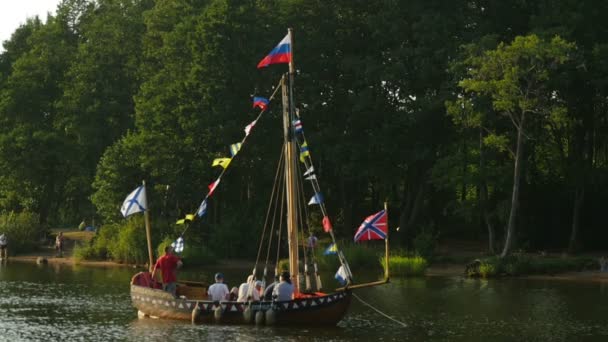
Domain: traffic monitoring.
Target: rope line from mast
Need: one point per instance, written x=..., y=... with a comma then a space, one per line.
x=276, y=207
x=272, y=196
x=188, y=224
x=380, y=312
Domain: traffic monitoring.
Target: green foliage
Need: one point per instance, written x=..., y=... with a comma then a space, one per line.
x=359, y=257
x=425, y=242
x=130, y=245
x=524, y=264
x=283, y=265
x=23, y=231
x=487, y=270
x=193, y=254
x=109, y=92
x=199, y=256
x=405, y=265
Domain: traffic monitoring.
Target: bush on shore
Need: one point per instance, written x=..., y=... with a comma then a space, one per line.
x=193, y=254
x=522, y=264
x=23, y=231
x=402, y=264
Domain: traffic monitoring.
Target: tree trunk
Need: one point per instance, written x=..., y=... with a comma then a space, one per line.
x=483, y=196
x=579, y=198
x=515, y=195
x=486, y=217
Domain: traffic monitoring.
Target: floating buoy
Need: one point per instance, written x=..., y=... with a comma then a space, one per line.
x=247, y=314
x=271, y=317
x=259, y=318
x=217, y=313
x=196, y=313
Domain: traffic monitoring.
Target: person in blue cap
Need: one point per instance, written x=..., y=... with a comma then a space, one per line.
x=218, y=291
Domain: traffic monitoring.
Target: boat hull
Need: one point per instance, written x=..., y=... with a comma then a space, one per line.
x=315, y=310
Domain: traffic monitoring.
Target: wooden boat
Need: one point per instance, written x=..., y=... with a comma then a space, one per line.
x=316, y=309
x=310, y=306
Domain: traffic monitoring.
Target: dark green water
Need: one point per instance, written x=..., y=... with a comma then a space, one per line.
x=53, y=303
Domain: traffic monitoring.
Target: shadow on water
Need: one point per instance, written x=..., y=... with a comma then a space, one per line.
x=58, y=302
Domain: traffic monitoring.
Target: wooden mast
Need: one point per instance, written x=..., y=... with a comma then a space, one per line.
x=386, y=272
x=290, y=171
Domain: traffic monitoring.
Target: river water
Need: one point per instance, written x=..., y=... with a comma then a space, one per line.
x=74, y=303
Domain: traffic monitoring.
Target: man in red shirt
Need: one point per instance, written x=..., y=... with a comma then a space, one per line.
x=168, y=264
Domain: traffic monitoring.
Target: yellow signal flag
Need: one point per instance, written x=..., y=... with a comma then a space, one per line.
x=223, y=162
x=188, y=218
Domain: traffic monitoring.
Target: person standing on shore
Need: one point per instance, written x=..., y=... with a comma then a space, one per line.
x=59, y=244
x=3, y=247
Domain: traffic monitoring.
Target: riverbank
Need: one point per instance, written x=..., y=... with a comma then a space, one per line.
x=448, y=264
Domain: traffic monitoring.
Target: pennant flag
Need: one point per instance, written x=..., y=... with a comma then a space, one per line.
x=202, y=209
x=310, y=170
x=235, y=148
x=331, y=250
x=178, y=245
x=304, y=151
x=135, y=202
x=223, y=162
x=341, y=275
x=316, y=199
x=260, y=102
x=280, y=54
x=326, y=224
x=311, y=177
x=297, y=126
x=249, y=127
x=189, y=218
x=375, y=227
x=212, y=187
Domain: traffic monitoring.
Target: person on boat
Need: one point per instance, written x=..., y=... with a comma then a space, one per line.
x=168, y=264
x=59, y=240
x=234, y=294
x=218, y=291
x=311, y=244
x=245, y=296
x=269, y=290
x=312, y=241
x=3, y=246
x=284, y=289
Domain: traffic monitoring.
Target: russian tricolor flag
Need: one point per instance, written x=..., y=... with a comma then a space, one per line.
x=280, y=54
x=260, y=102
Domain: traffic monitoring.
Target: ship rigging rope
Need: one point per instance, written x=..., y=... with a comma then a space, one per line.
x=274, y=188
x=188, y=224
x=283, y=206
x=380, y=312
x=275, y=207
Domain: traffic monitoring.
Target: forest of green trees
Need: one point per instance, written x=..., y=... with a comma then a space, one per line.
x=476, y=119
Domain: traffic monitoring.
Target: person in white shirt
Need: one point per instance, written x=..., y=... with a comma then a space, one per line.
x=218, y=291
x=284, y=289
x=245, y=294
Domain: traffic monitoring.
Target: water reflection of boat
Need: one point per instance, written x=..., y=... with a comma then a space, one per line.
x=310, y=304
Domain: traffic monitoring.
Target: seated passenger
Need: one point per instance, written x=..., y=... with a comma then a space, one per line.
x=284, y=289
x=268, y=291
x=244, y=290
x=218, y=291
x=234, y=294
